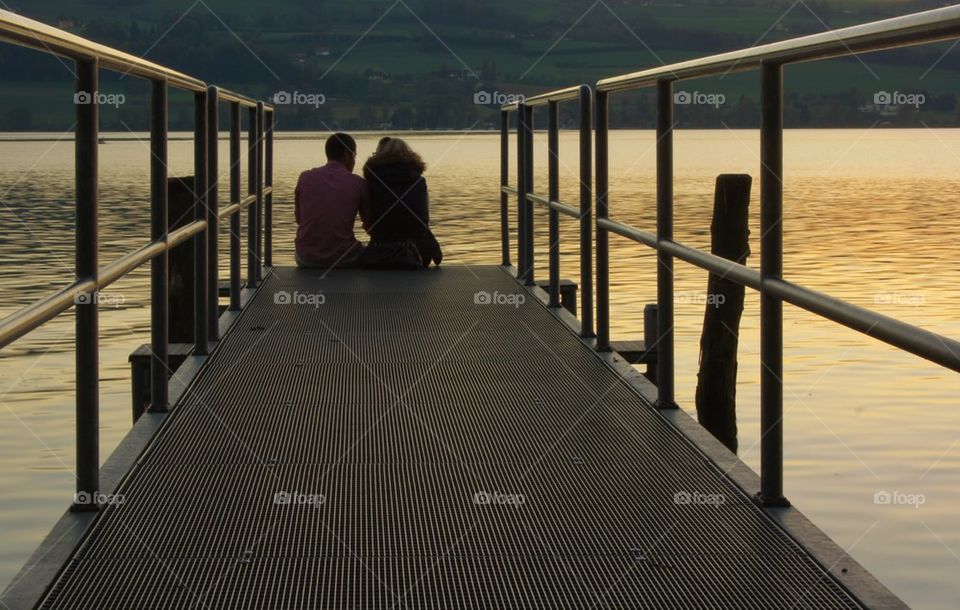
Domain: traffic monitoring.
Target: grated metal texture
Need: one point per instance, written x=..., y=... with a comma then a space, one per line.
x=382, y=439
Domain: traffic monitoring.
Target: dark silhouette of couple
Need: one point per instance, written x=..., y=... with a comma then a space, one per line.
x=391, y=199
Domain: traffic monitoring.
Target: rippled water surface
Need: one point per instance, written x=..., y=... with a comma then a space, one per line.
x=871, y=217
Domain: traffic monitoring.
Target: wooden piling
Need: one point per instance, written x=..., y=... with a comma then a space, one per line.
x=180, y=210
x=717, y=379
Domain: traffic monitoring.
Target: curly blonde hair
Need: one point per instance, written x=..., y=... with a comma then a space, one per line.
x=393, y=150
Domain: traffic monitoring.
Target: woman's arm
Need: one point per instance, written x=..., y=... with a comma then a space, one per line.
x=426, y=203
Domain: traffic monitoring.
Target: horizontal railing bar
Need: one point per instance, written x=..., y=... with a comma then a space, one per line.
x=643, y=237
x=510, y=190
x=37, y=314
x=559, y=206
x=243, y=204
x=33, y=34
x=918, y=341
x=117, y=269
x=225, y=95
x=918, y=28
x=229, y=211
x=736, y=272
x=560, y=95
x=44, y=310
x=538, y=199
x=182, y=234
x=723, y=267
x=36, y=35
x=567, y=210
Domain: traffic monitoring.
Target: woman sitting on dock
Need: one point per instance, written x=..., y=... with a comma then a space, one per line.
x=399, y=224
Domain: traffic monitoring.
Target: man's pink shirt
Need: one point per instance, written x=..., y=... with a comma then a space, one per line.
x=327, y=201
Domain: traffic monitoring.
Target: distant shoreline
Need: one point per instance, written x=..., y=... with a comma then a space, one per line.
x=183, y=136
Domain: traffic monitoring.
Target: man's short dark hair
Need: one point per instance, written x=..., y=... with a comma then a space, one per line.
x=338, y=145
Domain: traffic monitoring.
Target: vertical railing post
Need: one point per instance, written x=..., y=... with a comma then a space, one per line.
x=159, y=397
x=200, y=302
x=270, y=121
x=603, y=238
x=586, y=214
x=213, y=218
x=553, y=194
x=771, y=267
x=254, y=210
x=521, y=191
x=664, y=346
x=87, y=314
x=528, y=239
x=504, y=181
x=259, y=191
x=235, y=219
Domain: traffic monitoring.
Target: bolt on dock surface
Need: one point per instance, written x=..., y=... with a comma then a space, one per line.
x=432, y=439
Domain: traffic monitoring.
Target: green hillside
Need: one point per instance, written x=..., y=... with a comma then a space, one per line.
x=419, y=64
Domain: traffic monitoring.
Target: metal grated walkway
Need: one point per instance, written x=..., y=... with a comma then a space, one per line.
x=400, y=445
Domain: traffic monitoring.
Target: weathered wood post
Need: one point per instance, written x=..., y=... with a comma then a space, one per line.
x=717, y=379
x=180, y=206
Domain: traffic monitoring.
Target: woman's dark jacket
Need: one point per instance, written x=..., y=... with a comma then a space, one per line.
x=399, y=204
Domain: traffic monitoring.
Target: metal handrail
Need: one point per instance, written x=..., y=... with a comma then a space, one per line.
x=563, y=208
x=90, y=58
x=27, y=32
x=908, y=30
x=705, y=260
x=29, y=318
x=928, y=26
x=919, y=28
x=560, y=95
x=526, y=196
x=39, y=36
x=230, y=97
x=907, y=337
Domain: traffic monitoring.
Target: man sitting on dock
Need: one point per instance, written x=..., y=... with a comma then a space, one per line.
x=327, y=201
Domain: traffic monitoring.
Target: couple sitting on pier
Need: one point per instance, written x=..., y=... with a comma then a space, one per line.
x=391, y=200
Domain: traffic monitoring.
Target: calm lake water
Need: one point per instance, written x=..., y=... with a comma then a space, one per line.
x=871, y=217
